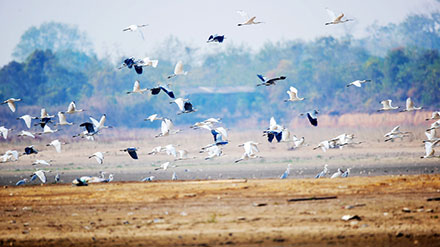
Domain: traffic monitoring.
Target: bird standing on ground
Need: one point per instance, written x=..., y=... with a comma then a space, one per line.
x=286, y=173
x=337, y=174
x=323, y=172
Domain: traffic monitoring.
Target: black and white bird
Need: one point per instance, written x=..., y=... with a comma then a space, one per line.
x=184, y=105
x=30, y=150
x=312, y=116
x=269, y=82
x=99, y=156
x=216, y=38
x=165, y=89
x=132, y=152
x=275, y=131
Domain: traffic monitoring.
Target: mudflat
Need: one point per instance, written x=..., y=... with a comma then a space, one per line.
x=388, y=211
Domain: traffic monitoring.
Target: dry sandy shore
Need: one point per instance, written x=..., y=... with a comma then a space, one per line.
x=225, y=212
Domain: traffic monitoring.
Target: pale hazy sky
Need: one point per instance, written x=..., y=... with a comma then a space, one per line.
x=192, y=21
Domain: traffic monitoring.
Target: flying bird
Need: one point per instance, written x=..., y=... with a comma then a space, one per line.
x=434, y=116
x=357, y=83
x=163, y=166
x=137, y=88
x=4, y=132
x=21, y=182
x=215, y=38
x=71, y=109
x=184, y=105
x=30, y=150
x=131, y=152
x=26, y=133
x=135, y=27
x=56, y=144
x=47, y=130
x=213, y=151
x=410, y=106
x=166, y=128
x=324, y=145
x=41, y=175
x=250, y=150
x=62, y=119
x=10, y=155
x=42, y=162
x=153, y=117
x=165, y=89
x=429, y=151
x=247, y=20
x=386, y=105
x=312, y=116
x=336, y=19
x=293, y=95
x=178, y=70
x=269, y=82
x=27, y=120
x=11, y=103
x=99, y=156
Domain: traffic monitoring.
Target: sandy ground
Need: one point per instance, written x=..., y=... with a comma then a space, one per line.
x=225, y=212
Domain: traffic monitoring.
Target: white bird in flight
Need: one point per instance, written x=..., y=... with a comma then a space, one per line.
x=247, y=19
x=99, y=156
x=178, y=70
x=71, y=109
x=434, y=116
x=42, y=162
x=153, y=117
x=135, y=27
x=62, y=119
x=166, y=128
x=11, y=103
x=336, y=19
x=213, y=151
x=26, y=133
x=250, y=150
x=56, y=144
x=357, y=83
x=386, y=105
x=293, y=95
x=4, y=132
x=27, y=120
x=410, y=106
x=137, y=88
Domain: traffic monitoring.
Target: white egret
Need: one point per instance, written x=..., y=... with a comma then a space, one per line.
x=11, y=103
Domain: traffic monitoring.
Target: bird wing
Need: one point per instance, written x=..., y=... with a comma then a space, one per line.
x=180, y=103
x=331, y=14
x=262, y=78
x=102, y=121
x=222, y=131
x=243, y=14
x=94, y=121
x=11, y=105
x=27, y=120
x=188, y=106
x=57, y=145
x=132, y=153
x=272, y=124
x=61, y=117
x=251, y=20
x=430, y=134
x=168, y=91
x=428, y=149
x=395, y=129
x=179, y=68
x=339, y=18
x=312, y=118
x=409, y=104
x=357, y=83
x=40, y=174
x=71, y=107
x=136, y=86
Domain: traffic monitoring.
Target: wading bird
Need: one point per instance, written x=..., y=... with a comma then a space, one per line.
x=323, y=172
x=429, y=151
x=434, y=116
x=11, y=103
x=250, y=150
x=357, y=83
x=337, y=174
x=286, y=173
x=166, y=128
x=71, y=109
x=153, y=117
